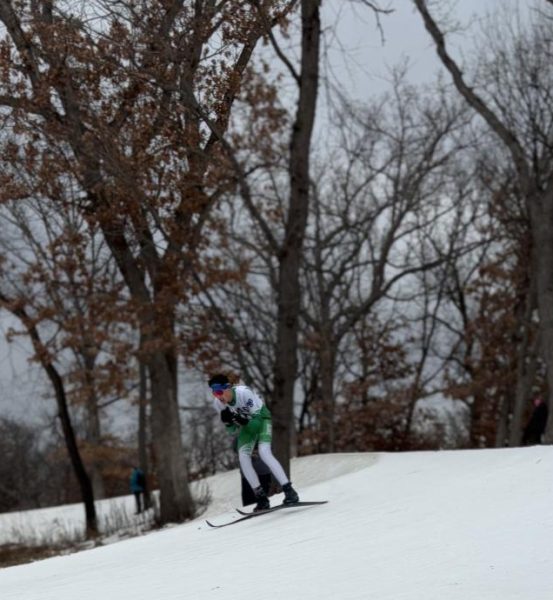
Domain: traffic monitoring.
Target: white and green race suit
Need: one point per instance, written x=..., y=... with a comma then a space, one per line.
x=246, y=403
x=258, y=430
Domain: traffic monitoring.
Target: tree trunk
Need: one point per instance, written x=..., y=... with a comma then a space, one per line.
x=289, y=293
x=93, y=427
x=84, y=482
x=526, y=372
x=176, y=503
x=143, y=431
x=541, y=216
x=413, y=395
x=502, y=433
x=327, y=358
x=480, y=416
x=158, y=353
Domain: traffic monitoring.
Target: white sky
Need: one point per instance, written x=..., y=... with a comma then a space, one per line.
x=369, y=58
x=460, y=525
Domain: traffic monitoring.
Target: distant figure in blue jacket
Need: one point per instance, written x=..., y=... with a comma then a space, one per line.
x=138, y=488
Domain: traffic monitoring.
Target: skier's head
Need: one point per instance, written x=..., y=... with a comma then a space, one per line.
x=538, y=401
x=219, y=383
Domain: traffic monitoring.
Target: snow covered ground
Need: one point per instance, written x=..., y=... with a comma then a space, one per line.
x=467, y=525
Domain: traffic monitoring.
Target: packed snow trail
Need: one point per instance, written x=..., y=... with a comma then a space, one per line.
x=460, y=525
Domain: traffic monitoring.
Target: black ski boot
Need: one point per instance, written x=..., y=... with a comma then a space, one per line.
x=262, y=500
x=290, y=494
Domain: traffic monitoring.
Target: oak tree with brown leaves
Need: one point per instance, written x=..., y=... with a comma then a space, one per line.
x=112, y=98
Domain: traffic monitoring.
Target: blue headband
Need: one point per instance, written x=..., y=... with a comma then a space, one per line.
x=219, y=387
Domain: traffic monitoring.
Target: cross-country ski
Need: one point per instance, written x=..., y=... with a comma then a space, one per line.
x=248, y=515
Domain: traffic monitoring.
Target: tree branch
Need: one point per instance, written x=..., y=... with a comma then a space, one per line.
x=24, y=46
x=472, y=98
x=269, y=31
x=242, y=180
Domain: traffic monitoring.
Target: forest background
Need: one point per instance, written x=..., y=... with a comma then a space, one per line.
x=195, y=186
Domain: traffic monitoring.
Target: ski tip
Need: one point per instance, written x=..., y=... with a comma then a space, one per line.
x=218, y=526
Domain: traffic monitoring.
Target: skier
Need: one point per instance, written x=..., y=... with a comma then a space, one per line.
x=244, y=412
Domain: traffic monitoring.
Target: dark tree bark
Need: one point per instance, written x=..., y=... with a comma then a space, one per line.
x=85, y=484
x=93, y=427
x=143, y=430
x=289, y=291
x=527, y=355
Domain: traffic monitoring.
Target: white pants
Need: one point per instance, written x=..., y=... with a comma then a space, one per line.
x=266, y=455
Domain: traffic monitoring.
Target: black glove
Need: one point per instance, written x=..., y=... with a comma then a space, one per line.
x=240, y=420
x=227, y=416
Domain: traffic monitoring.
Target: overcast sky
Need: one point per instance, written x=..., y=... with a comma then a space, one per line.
x=371, y=52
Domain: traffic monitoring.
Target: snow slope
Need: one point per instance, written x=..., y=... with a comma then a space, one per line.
x=470, y=525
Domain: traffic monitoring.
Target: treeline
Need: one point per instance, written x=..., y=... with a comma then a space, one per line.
x=35, y=471
x=164, y=208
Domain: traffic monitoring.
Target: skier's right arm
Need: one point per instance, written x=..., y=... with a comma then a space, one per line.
x=226, y=416
x=228, y=419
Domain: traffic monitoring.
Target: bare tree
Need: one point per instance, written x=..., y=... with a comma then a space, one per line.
x=290, y=252
x=381, y=195
x=514, y=99
x=462, y=248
